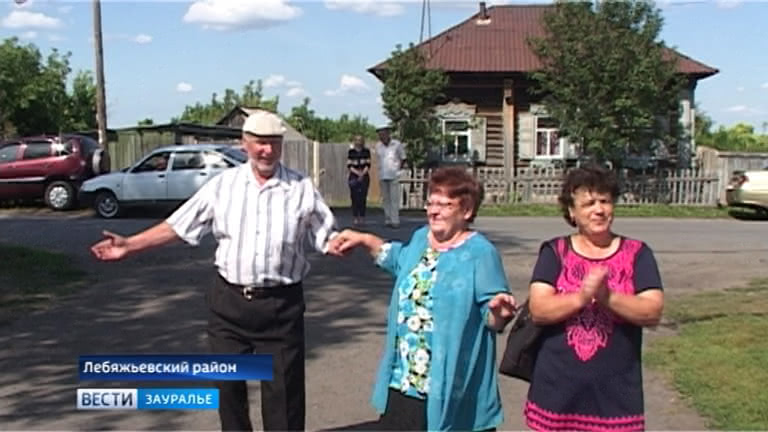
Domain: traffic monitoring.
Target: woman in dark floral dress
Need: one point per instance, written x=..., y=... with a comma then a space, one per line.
x=593, y=292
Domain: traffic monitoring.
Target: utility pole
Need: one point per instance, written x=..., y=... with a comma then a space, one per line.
x=101, y=104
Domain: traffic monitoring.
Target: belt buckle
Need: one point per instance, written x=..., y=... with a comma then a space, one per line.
x=248, y=292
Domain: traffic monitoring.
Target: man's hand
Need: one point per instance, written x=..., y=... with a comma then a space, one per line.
x=113, y=247
x=502, y=308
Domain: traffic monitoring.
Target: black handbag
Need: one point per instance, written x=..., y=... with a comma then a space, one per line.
x=522, y=346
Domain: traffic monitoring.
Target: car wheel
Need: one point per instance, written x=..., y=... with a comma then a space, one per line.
x=106, y=205
x=60, y=195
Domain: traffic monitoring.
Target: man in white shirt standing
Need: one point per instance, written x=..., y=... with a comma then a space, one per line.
x=261, y=213
x=391, y=157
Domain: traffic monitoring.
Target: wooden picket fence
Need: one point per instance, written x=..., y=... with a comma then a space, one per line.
x=542, y=186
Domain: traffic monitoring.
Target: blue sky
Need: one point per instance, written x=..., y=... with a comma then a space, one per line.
x=161, y=56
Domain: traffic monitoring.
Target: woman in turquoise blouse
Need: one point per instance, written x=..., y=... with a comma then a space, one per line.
x=450, y=298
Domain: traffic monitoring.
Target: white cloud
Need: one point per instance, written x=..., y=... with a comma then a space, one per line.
x=347, y=84
x=739, y=89
x=765, y=85
x=746, y=110
x=20, y=19
x=29, y=35
x=728, y=4
x=240, y=15
x=379, y=100
x=374, y=7
x=295, y=92
x=274, y=81
x=65, y=9
x=142, y=39
x=183, y=87
x=280, y=81
x=737, y=108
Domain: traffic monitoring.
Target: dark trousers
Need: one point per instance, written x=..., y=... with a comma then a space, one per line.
x=272, y=322
x=403, y=413
x=358, y=191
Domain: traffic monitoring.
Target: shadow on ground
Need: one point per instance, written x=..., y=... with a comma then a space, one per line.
x=153, y=303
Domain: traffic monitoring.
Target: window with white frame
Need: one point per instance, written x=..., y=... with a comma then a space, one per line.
x=548, y=141
x=459, y=145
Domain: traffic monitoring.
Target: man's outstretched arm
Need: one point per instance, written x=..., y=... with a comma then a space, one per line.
x=115, y=247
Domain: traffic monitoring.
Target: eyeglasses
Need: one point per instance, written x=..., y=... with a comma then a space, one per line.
x=441, y=206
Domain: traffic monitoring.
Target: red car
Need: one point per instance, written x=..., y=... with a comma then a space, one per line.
x=50, y=167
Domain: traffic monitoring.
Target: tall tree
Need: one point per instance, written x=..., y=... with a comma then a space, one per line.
x=607, y=79
x=410, y=92
x=82, y=106
x=325, y=129
x=208, y=114
x=34, y=93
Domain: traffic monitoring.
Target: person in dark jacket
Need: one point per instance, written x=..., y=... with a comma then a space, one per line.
x=358, y=164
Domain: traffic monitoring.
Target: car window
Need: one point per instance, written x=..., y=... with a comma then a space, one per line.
x=37, y=150
x=90, y=145
x=64, y=148
x=157, y=162
x=9, y=153
x=187, y=161
x=216, y=160
x=234, y=153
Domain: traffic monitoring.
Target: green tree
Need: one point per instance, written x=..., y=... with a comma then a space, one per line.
x=252, y=96
x=409, y=94
x=325, y=129
x=606, y=79
x=34, y=94
x=81, y=114
x=702, y=128
x=146, y=122
x=739, y=137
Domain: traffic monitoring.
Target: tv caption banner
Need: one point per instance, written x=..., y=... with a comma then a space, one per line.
x=191, y=367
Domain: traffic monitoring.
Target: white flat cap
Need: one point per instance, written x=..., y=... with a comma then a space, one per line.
x=384, y=127
x=264, y=123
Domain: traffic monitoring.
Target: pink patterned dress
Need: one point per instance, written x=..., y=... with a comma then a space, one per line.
x=588, y=373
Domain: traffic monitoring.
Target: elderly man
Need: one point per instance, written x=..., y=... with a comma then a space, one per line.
x=259, y=212
x=391, y=157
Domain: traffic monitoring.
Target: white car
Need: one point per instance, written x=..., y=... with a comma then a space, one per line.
x=167, y=175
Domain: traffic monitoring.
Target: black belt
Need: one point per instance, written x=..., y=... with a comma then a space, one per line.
x=251, y=291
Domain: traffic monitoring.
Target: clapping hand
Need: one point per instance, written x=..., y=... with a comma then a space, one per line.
x=593, y=286
x=113, y=247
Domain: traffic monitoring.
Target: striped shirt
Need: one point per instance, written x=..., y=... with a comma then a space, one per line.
x=358, y=159
x=260, y=229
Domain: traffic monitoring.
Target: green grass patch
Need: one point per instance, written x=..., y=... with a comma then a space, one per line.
x=29, y=276
x=719, y=358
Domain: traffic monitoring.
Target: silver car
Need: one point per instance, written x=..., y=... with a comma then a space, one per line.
x=167, y=175
x=749, y=189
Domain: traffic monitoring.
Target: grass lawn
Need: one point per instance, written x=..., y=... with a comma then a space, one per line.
x=30, y=276
x=719, y=358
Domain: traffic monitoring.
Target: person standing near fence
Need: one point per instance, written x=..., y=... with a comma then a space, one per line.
x=261, y=214
x=391, y=157
x=358, y=164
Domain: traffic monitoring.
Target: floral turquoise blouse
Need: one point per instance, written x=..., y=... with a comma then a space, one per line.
x=413, y=342
x=460, y=376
